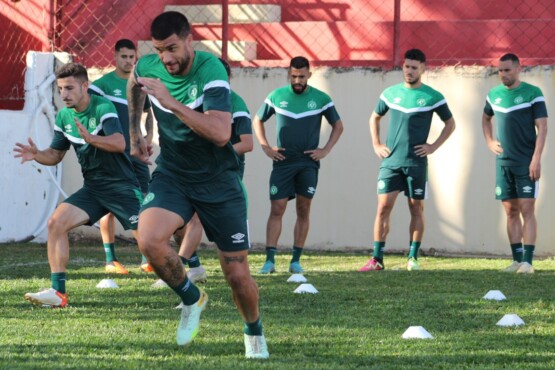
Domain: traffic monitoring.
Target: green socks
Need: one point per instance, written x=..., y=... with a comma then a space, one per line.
x=378, y=250
x=110, y=252
x=194, y=261
x=413, y=251
x=188, y=292
x=297, y=251
x=271, y=254
x=516, y=248
x=254, y=328
x=59, y=281
x=529, y=253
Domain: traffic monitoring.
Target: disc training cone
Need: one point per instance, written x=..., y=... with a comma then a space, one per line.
x=417, y=332
x=297, y=278
x=306, y=288
x=510, y=319
x=495, y=295
x=107, y=284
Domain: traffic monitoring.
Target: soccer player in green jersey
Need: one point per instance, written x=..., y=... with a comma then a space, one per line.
x=90, y=124
x=241, y=138
x=299, y=109
x=521, y=128
x=405, y=153
x=113, y=86
x=197, y=172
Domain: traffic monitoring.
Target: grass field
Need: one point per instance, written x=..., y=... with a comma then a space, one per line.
x=356, y=320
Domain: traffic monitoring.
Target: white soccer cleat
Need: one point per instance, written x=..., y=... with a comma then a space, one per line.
x=159, y=284
x=513, y=267
x=47, y=298
x=190, y=320
x=255, y=347
x=525, y=268
x=197, y=275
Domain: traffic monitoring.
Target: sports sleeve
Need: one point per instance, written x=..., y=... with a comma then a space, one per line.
x=488, y=110
x=381, y=107
x=443, y=111
x=241, y=116
x=109, y=119
x=539, y=109
x=59, y=141
x=266, y=110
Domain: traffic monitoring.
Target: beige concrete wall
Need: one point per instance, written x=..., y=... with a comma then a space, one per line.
x=462, y=215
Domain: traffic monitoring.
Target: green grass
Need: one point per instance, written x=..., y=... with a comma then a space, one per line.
x=356, y=320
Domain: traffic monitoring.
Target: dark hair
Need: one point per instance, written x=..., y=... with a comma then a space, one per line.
x=169, y=23
x=227, y=67
x=415, y=54
x=510, y=56
x=124, y=43
x=73, y=70
x=299, y=63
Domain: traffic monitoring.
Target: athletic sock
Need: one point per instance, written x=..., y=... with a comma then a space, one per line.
x=188, y=292
x=59, y=281
x=414, y=247
x=193, y=261
x=378, y=251
x=296, y=254
x=184, y=260
x=529, y=253
x=516, y=248
x=271, y=254
x=110, y=252
x=254, y=328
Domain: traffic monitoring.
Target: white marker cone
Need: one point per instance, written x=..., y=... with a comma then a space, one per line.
x=297, y=278
x=306, y=288
x=107, y=284
x=495, y=295
x=417, y=332
x=510, y=319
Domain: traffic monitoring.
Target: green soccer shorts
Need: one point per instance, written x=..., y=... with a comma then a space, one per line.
x=512, y=182
x=287, y=181
x=413, y=181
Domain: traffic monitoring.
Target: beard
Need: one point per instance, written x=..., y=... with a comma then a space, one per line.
x=179, y=66
x=298, y=88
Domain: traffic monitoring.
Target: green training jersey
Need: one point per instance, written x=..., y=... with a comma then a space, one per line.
x=98, y=166
x=298, y=121
x=515, y=111
x=240, y=122
x=412, y=111
x=184, y=154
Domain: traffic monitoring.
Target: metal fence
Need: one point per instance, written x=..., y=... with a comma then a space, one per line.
x=341, y=33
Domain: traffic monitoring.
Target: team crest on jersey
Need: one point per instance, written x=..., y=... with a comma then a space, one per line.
x=117, y=92
x=519, y=99
x=92, y=123
x=283, y=104
x=497, y=100
x=312, y=104
x=397, y=100
x=421, y=102
x=193, y=91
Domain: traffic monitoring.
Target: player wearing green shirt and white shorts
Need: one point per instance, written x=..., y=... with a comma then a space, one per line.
x=521, y=128
x=299, y=109
x=197, y=172
x=404, y=166
x=90, y=124
x=113, y=86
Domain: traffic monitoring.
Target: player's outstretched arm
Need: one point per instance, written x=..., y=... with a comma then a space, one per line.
x=380, y=149
x=213, y=125
x=336, y=131
x=135, y=102
x=260, y=132
x=30, y=152
x=487, y=129
x=111, y=143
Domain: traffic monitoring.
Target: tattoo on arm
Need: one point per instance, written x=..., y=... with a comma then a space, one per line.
x=231, y=259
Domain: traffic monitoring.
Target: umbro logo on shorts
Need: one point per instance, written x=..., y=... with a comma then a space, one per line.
x=238, y=238
x=527, y=189
x=418, y=191
x=311, y=189
x=134, y=219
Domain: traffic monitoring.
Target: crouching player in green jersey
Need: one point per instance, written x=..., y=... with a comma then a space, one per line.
x=405, y=154
x=90, y=124
x=197, y=172
x=521, y=129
